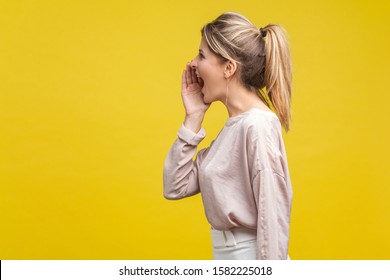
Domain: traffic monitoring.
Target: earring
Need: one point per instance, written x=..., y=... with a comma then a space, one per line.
x=227, y=92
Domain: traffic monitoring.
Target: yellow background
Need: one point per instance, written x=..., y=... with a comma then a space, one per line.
x=90, y=104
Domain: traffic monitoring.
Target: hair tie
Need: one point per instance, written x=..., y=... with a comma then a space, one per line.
x=263, y=32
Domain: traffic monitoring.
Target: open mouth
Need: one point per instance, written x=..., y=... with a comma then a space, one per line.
x=200, y=80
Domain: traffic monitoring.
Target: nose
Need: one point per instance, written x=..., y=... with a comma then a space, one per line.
x=193, y=64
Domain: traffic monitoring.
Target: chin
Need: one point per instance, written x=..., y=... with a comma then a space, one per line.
x=208, y=99
x=205, y=98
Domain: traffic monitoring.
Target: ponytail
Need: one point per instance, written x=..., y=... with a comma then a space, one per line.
x=278, y=72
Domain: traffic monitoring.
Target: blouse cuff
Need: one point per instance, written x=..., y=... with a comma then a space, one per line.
x=190, y=137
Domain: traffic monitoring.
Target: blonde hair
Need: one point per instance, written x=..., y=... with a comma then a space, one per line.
x=262, y=56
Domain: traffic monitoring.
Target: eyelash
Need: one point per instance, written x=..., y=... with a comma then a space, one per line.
x=201, y=55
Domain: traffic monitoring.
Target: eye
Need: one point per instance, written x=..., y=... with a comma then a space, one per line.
x=201, y=55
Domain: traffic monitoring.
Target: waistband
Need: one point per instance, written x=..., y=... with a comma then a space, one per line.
x=229, y=238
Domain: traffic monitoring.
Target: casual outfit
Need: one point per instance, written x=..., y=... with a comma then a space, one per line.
x=244, y=181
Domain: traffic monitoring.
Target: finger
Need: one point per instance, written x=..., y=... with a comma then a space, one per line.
x=190, y=72
x=183, y=79
x=193, y=75
x=188, y=75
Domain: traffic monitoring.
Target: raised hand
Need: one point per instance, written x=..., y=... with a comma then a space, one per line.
x=192, y=93
x=192, y=96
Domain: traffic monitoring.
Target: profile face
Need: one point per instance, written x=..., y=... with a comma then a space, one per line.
x=210, y=70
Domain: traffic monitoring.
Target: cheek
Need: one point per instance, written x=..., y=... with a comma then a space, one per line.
x=200, y=69
x=207, y=74
x=210, y=75
x=204, y=68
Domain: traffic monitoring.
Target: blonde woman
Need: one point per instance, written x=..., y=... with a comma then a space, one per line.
x=243, y=176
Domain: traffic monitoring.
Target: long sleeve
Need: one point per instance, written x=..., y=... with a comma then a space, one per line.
x=274, y=204
x=180, y=171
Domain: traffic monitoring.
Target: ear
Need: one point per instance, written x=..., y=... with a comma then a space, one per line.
x=230, y=69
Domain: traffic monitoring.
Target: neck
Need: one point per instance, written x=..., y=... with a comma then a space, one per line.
x=239, y=99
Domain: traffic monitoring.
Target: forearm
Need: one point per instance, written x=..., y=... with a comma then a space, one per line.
x=180, y=171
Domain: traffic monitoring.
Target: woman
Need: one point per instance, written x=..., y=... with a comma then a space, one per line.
x=243, y=176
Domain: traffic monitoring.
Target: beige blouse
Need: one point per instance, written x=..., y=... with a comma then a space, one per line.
x=243, y=178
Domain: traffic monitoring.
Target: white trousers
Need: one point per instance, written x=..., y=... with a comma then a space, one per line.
x=235, y=244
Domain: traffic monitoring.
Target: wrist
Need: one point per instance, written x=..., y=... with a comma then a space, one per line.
x=194, y=121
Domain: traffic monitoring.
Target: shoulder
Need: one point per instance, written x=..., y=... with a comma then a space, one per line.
x=261, y=123
x=264, y=141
